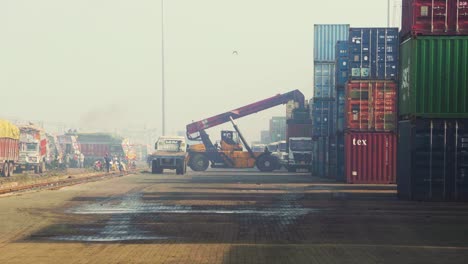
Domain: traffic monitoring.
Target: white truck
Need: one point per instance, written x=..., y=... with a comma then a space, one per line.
x=170, y=153
x=33, y=149
x=279, y=150
x=299, y=154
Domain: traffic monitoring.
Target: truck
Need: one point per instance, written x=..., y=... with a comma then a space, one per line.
x=299, y=154
x=170, y=153
x=279, y=150
x=70, y=150
x=32, y=149
x=9, y=148
x=54, y=152
x=95, y=146
x=299, y=137
x=230, y=153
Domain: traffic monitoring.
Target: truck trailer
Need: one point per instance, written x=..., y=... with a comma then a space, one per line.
x=9, y=148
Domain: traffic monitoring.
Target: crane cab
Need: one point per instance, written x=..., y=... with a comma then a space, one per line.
x=230, y=141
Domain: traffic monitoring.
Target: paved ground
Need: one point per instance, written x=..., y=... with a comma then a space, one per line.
x=228, y=217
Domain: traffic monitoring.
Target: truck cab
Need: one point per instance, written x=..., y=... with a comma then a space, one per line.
x=279, y=150
x=299, y=153
x=170, y=152
x=33, y=150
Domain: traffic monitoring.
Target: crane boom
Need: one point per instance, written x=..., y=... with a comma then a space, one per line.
x=279, y=99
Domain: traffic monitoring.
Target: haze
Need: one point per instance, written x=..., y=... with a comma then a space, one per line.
x=96, y=64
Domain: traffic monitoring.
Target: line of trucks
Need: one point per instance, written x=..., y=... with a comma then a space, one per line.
x=233, y=151
x=28, y=147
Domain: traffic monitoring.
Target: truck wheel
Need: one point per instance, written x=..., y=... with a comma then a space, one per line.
x=5, y=170
x=179, y=171
x=11, y=170
x=199, y=162
x=266, y=163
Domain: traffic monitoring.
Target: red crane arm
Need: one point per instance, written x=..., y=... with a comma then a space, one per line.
x=276, y=100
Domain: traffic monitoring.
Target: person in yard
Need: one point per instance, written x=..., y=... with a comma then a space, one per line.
x=107, y=160
x=81, y=157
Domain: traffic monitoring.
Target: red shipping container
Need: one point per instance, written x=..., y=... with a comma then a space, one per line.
x=299, y=130
x=370, y=158
x=434, y=17
x=371, y=106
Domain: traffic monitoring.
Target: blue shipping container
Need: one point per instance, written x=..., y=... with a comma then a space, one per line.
x=324, y=79
x=325, y=38
x=340, y=158
x=332, y=158
x=340, y=109
x=320, y=159
x=341, y=54
x=373, y=53
x=323, y=112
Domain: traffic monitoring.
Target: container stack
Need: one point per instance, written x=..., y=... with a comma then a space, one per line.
x=323, y=104
x=370, y=107
x=433, y=101
x=341, y=77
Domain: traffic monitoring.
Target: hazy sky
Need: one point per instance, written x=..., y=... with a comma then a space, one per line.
x=98, y=62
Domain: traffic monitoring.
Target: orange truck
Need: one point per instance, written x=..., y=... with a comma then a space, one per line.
x=9, y=148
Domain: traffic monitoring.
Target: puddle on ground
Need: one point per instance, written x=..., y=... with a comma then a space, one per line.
x=124, y=210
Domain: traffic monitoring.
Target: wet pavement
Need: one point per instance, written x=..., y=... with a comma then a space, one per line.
x=253, y=217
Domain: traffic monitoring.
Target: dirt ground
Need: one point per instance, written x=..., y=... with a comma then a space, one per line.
x=228, y=217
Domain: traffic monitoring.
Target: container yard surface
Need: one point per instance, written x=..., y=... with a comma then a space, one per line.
x=228, y=217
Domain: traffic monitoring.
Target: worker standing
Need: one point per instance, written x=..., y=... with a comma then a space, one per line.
x=107, y=160
x=81, y=157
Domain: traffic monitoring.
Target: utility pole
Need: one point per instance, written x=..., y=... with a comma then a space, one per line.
x=163, y=72
x=388, y=13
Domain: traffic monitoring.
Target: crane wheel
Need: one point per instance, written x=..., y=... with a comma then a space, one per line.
x=198, y=162
x=267, y=163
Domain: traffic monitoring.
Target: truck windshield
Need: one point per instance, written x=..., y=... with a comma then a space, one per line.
x=171, y=145
x=29, y=146
x=282, y=147
x=301, y=145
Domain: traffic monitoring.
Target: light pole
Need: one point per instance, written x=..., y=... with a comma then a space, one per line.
x=388, y=13
x=162, y=72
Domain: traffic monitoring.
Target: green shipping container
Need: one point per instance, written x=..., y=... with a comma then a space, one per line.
x=434, y=77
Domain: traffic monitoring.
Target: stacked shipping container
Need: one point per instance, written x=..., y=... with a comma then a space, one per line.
x=323, y=105
x=433, y=101
x=341, y=77
x=370, y=106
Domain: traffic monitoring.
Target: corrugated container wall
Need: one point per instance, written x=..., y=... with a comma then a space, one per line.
x=340, y=158
x=340, y=109
x=332, y=158
x=325, y=38
x=299, y=129
x=434, y=77
x=323, y=119
x=320, y=158
x=324, y=82
x=341, y=54
x=371, y=106
x=370, y=157
x=373, y=53
x=433, y=159
x=438, y=17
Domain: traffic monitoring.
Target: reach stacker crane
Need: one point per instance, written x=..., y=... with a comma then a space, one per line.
x=230, y=153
